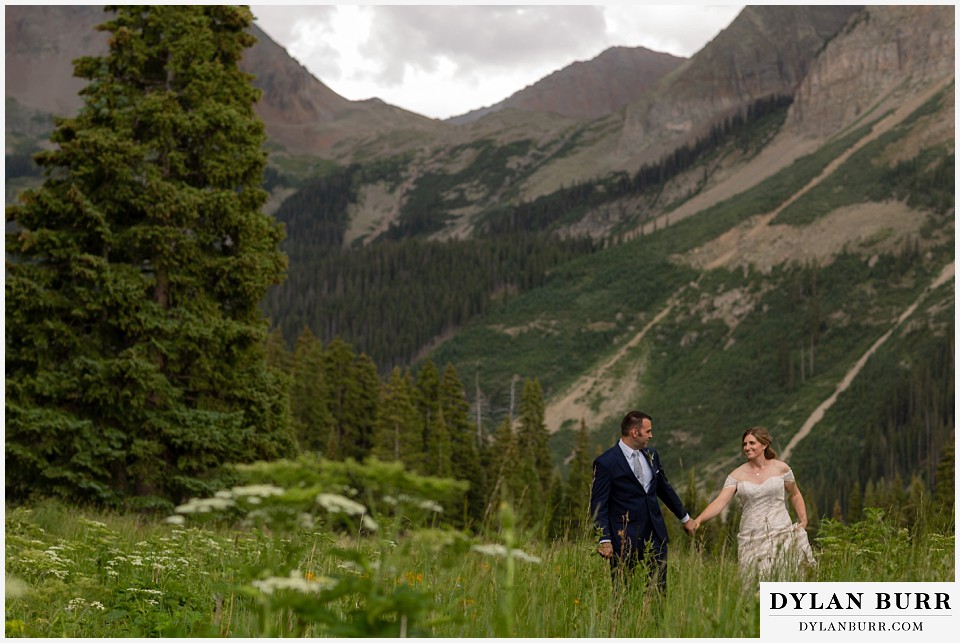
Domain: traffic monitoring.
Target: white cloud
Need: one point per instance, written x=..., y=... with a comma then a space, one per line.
x=445, y=60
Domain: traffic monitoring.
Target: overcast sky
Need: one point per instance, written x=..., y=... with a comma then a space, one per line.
x=446, y=60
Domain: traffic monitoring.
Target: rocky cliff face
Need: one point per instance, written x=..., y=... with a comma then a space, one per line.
x=592, y=89
x=766, y=51
x=882, y=51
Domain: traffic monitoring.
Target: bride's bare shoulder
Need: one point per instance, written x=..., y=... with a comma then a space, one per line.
x=779, y=466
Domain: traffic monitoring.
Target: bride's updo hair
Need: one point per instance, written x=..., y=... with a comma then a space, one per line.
x=763, y=437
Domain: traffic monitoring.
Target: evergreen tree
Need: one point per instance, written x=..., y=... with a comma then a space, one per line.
x=135, y=347
x=580, y=478
x=338, y=359
x=532, y=435
x=353, y=391
x=465, y=456
x=362, y=404
x=427, y=398
x=278, y=356
x=397, y=431
x=308, y=393
x=437, y=462
x=503, y=468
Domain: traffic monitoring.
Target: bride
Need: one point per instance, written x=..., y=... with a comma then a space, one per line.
x=770, y=547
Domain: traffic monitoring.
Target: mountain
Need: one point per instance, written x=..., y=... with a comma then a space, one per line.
x=764, y=235
x=301, y=114
x=588, y=90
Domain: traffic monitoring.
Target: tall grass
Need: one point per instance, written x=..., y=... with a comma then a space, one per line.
x=83, y=573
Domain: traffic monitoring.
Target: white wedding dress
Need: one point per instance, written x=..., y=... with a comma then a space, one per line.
x=771, y=548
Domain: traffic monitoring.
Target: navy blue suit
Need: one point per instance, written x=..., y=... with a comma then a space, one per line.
x=629, y=516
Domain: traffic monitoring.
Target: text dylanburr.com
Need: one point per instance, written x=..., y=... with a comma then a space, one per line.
x=858, y=611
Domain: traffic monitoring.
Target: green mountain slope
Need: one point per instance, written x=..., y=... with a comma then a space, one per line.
x=711, y=341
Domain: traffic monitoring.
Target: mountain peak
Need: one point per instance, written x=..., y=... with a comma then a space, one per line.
x=585, y=90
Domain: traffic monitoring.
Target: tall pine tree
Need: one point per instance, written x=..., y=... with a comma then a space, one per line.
x=308, y=393
x=466, y=456
x=135, y=361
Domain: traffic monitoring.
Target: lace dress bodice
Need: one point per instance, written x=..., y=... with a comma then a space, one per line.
x=770, y=545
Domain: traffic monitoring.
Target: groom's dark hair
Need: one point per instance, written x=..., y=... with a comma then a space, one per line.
x=633, y=419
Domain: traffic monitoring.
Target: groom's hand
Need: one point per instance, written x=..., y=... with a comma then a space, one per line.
x=691, y=526
x=605, y=550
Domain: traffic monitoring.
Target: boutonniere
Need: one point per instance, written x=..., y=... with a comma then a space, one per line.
x=649, y=456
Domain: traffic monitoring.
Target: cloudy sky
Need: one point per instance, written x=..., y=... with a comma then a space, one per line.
x=446, y=60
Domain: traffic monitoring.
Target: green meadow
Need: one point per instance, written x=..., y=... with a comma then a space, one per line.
x=378, y=559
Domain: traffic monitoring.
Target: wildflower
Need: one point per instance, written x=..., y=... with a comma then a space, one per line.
x=204, y=505
x=368, y=523
x=258, y=490
x=295, y=582
x=76, y=603
x=430, y=505
x=305, y=520
x=500, y=550
x=97, y=605
x=175, y=520
x=335, y=503
x=519, y=554
x=490, y=550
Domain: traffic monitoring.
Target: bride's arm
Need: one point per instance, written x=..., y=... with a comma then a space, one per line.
x=715, y=507
x=796, y=499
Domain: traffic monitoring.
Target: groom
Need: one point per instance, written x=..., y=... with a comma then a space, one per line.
x=627, y=481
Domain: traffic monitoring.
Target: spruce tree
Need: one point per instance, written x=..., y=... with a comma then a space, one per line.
x=135, y=346
x=532, y=435
x=465, y=456
x=362, y=406
x=308, y=393
x=580, y=479
x=397, y=429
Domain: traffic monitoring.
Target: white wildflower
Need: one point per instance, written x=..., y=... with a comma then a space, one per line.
x=500, y=550
x=97, y=605
x=335, y=503
x=305, y=520
x=368, y=523
x=294, y=581
x=519, y=554
x=76, y=603
x=254, y=500
x=490, y=550
x=205, y=505
x=258, y=490
x=175, y=520
x=430, y=505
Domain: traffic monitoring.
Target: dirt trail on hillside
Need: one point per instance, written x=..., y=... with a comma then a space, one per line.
x=748, y=233
x=946, y=275
x=574, y=403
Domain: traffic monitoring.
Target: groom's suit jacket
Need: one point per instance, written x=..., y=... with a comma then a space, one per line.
x=622, y=509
